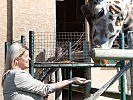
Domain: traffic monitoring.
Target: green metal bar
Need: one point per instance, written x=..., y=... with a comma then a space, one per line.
x=70, y=71
x=70, y=51
x=6, y=49
x=123, y=83
x=22, y=39
x=87, y=71
x=31, y=52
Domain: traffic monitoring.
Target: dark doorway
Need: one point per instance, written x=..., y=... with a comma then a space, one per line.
x=70, y=23
x=69, y=17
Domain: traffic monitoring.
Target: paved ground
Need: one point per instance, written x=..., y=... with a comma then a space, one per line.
x=99, y=77
x=80, y=96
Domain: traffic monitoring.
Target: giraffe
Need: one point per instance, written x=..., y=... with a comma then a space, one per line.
x=106, y=18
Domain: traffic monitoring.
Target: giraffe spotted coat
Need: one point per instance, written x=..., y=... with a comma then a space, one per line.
x=106, y=18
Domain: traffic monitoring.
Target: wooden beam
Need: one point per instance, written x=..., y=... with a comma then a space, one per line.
x=119, y=54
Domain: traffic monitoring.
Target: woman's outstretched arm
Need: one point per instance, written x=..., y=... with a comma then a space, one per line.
x=76, y=80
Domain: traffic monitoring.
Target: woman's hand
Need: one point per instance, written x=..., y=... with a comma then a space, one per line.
x=75, y=80
x=78, y=80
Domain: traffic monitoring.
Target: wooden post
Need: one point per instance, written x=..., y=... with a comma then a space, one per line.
x=130, y=43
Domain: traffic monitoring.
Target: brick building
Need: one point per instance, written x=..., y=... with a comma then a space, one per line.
x=18, y=17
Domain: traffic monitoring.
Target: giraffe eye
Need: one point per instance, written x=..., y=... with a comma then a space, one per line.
x=99, y=14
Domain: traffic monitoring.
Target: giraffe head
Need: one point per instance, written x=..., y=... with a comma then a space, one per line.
x=106, y=19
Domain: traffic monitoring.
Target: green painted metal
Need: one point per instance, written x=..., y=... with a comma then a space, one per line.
x=87, y=70
x=6, y=48
x=6, y=45
x=70, y=70
x=123, y=82
x=31, y=52
x=22, y=39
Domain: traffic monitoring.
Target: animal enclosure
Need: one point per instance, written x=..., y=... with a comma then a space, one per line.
x=68, y=50
x=53, y=47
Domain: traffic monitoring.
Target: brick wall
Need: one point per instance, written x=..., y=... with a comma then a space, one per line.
x=18, y=17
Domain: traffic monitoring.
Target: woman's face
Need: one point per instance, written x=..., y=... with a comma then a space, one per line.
x=23, y=61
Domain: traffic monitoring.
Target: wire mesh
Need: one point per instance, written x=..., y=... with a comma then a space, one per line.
x=53, y=47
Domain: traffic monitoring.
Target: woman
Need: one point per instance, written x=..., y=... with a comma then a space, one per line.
x=18, y=84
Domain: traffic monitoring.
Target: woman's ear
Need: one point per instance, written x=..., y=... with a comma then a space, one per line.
x=16, y=62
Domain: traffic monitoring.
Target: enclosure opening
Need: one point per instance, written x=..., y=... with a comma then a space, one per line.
x=69, y=17
x=70, y=23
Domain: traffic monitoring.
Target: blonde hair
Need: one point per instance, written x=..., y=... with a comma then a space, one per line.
x=14, y=51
